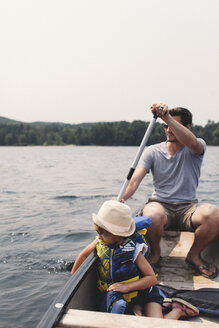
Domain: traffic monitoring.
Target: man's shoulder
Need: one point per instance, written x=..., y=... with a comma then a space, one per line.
x=203, y=142
x=152, y=150
x=200, y=140
x=157, y=147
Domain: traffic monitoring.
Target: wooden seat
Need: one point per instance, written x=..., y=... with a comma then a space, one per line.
x=91, y=319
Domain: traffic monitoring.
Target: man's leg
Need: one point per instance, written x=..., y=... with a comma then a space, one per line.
x=158, y=215
x=206, y=219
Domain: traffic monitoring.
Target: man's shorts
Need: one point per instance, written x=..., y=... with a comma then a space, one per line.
x=179, y=215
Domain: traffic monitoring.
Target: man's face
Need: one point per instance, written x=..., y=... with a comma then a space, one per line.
x=169, y=134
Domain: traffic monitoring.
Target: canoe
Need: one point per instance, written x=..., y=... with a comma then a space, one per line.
x=75, y=305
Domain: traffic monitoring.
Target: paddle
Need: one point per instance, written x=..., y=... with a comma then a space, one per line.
x=137, y=157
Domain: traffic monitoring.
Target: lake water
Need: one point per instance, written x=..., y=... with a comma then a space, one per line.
x=47, y=195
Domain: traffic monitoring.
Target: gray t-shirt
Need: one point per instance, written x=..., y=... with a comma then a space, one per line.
x=175, y=179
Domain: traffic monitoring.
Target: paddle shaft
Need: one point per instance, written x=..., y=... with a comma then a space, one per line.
x=137, y=157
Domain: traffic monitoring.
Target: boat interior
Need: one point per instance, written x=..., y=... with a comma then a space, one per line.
x=172, y=271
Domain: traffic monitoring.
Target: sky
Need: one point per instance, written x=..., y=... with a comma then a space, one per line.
x=96, y=60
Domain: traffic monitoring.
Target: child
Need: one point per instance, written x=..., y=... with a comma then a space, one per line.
x=125, y=276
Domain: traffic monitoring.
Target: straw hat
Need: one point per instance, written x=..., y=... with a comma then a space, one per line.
x=115, y=217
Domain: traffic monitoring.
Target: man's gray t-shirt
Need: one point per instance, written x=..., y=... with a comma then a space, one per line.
x=175, y=179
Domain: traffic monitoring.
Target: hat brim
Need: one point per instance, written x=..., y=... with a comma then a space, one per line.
x=113, y=229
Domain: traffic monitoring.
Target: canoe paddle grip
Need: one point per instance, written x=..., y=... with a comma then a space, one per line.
x=137, y=157
x=131, y=171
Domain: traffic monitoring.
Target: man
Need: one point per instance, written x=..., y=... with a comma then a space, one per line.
x=175, y=166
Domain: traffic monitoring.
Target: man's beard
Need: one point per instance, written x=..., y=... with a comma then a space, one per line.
x=174, y=140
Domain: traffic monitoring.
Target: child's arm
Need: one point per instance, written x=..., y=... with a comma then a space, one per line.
x=83, y=255
x=147, y=281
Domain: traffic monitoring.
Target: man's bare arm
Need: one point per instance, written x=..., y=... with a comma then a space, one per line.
x=182, y=133
x=135, y=181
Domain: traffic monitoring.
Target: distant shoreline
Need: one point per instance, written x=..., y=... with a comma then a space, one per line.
x=120, y=133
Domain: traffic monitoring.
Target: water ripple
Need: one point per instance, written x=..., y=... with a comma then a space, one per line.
x=86, y=197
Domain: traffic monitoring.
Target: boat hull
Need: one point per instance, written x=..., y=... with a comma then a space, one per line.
x=76, y=304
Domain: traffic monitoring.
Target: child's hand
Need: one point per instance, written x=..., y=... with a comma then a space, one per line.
x=119, y=287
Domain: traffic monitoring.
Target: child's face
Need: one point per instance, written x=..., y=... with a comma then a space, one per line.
x=106, y=237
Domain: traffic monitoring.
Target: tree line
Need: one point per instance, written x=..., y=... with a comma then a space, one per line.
x=120, y=133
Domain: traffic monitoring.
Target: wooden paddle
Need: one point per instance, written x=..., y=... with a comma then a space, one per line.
x=137, y=157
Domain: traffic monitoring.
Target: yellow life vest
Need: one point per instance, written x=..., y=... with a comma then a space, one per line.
x=116, y=263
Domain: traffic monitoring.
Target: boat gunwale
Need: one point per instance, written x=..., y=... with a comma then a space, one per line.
x=59, y=305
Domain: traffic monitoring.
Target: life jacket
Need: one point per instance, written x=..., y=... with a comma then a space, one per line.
x=116, y=262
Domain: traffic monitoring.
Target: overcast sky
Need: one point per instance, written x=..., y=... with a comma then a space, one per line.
x=97, y=60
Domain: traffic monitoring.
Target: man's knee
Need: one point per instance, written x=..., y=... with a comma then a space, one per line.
x=156, y=212
x=207, y=214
